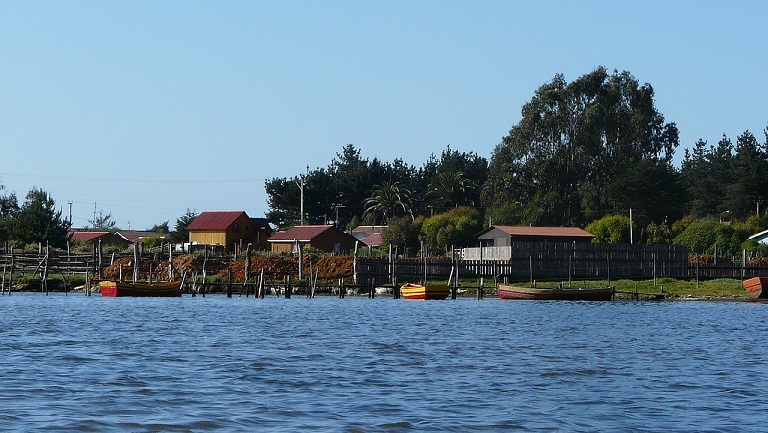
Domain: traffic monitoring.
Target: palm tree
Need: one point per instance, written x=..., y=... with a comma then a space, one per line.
x=449, y=190
x=387, y=201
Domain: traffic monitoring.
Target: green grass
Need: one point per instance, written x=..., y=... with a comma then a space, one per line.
x=723, y=288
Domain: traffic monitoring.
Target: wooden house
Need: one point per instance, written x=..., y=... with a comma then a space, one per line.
x=105, y=238
x=326, y=238
x=501, y=236
x=229, y=229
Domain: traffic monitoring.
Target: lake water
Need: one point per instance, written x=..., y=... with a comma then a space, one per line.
x=74, y=363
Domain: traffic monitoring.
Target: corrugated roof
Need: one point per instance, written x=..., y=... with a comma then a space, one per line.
x=544, y=231
x=299, y=233
x=87, y=236
x=373, y=240
x=133, y=236
x=214, y=220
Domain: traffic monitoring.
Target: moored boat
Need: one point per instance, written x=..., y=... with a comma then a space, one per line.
x=418, y=291
x=113, y=289
x=756, y=287
x=560, y=294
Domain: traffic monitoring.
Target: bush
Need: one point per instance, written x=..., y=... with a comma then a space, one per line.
x=610, y=229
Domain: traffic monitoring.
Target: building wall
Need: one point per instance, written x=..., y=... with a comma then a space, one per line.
x=240, y=229
x=208, y=237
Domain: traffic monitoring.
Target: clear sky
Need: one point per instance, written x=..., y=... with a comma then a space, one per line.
x=147, y=108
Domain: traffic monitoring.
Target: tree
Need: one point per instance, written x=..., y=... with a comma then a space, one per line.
x=180, y=233
x=160, y=228
x=387, y=201
x=9, y=208
x=450, y=189
x=573, y=141
x=38, y=221
x=102, y=221
x=455, y=228
x=748, y=184
x=610, y=229
x=701, y=236
x=403, y=234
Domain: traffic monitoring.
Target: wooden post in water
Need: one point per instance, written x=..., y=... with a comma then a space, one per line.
x=205, y=261
x=170, y=262
x=247, y=270
x=135, y=262
x=452, y=284
x=342, y=290
x=229, y=281
x=261, y=284
x=2, y=285
x=288, y=288
x=10, y=274
x=480, y=289
x=99, y=253
x=45, y=270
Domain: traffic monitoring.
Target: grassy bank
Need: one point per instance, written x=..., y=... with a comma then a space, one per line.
x=724, y=288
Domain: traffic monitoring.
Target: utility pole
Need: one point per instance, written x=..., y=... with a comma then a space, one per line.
x=70, y=213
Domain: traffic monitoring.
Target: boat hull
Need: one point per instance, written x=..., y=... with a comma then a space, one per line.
x=112, y=289
x=593, y=294
x=756, y=287
x=417, y=291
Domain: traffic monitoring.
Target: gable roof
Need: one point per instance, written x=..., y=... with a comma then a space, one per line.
x=215, y=220
x=134, y=236
x=299, y=233
x=373, y=240
x=87, y=236
x=541, y=231
x=759, y=237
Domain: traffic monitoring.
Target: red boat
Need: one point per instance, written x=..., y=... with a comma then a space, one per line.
x=126, y=288
x=559, y=294
x=756, y=287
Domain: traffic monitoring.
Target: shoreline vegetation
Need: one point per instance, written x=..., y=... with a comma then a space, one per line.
x=723, y=289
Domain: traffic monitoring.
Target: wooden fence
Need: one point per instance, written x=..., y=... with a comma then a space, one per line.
x=553, y=261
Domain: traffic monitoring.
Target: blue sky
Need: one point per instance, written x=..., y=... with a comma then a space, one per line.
x=148, y=108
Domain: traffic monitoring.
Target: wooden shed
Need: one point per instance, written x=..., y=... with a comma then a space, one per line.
x=105, y=238
x=229, y=229
x=326, y=238
x=501, y=236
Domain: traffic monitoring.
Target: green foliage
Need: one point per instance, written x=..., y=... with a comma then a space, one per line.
x=180, y=234
x=658, y=233
x=455, y=228
x=387, y=201
x=403, y=234
x=573, y=142
x=610, y=229
x=703, y=236
x=160, y=228
x=38, y=221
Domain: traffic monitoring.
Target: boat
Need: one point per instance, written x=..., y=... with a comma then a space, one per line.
x=756, y=287
x=111, y=288
x=418, y=291
x=560, y=293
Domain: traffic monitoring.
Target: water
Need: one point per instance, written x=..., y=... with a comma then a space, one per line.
x=72, y=363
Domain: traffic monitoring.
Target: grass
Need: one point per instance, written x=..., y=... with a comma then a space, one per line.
x=723, y=288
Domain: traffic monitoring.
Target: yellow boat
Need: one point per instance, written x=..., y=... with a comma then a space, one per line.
x=418, y=291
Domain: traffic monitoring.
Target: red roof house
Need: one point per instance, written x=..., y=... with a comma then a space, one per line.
x=497, y=236
x=228, y=228
x=327, y=238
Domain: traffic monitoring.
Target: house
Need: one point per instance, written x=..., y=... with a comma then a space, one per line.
x=138, y=236
x=105, y=238
x=229, y=229
x=760, y=238
x=499, y=236
x=326, y=238
x=368, y=235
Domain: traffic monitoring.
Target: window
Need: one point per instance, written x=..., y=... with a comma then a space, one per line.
x=235, y=227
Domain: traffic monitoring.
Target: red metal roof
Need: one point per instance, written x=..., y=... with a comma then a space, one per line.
x=373, y=240
x=87, y=236
x=544, y=231
x=214, y=220
x=299, y=233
